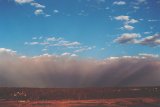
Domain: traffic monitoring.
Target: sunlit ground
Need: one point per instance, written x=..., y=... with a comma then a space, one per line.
x=117, y=102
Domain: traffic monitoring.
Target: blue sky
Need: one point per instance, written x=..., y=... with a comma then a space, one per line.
x=85, y=28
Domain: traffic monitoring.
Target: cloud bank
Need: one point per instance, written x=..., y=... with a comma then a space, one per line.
x=67, y=71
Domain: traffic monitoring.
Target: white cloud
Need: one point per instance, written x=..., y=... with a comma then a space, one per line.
x=66, y=43
x=127, y=20
x=56, y=11
x=66, y=54
x=82, y=49
x=132, y=21
x=127, y=38
x=128, y=27
x=119, y=3
x=47, y=15
x=23, y=1
x=34, y=43
x=31, y=43
x=7, y=51
x=153, y=40
x=137, y=4
x=38, y=12
x=72, y=44
x=37, y=5
x=146, y=55
x=122, y=18
x=60, y=44
x=51, y=39
x=157, y=41
x=74, y=55
x=133, y=38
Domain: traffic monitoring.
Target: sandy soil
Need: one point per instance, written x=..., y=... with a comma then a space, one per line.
x=118, y=102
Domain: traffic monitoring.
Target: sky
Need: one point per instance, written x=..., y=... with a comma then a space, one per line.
x=63, y=43
x=87, y=28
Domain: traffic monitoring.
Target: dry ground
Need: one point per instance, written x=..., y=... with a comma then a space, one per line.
x=117, y=102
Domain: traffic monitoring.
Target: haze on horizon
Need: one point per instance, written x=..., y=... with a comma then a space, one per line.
x=79, y=43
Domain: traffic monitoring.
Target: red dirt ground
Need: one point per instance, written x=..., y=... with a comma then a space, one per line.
x=117, y=102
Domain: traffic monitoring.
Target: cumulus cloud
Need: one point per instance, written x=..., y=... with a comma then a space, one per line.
x=119, y=3
x=122, y=18
x=4, y=51
x=127, y=20
x=31, y=2
x=128, y=27
x=134, y=38
x=38, y=12
x=132, y=21
x=59, y=71
x=23, y=1
x=37, y=5
x=127, y=38
x=153, y=40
